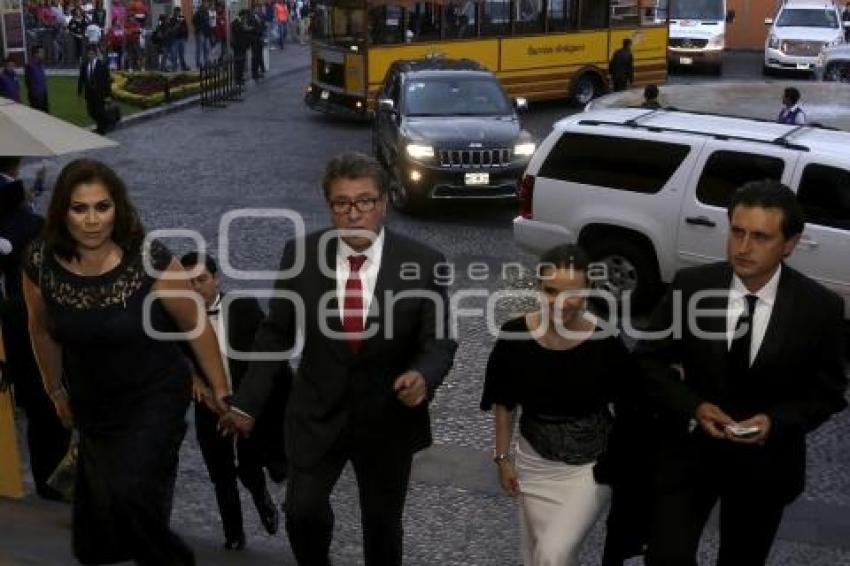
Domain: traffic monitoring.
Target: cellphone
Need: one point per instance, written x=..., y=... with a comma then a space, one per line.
x=743, y=431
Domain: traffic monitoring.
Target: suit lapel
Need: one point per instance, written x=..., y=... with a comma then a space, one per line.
x=780, y=319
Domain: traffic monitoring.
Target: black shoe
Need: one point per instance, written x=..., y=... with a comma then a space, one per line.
x=235, y=543
x=47, y=492
x=267, y=511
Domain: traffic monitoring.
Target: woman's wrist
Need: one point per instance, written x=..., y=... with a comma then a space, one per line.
x=57, y=392
x=501, y=457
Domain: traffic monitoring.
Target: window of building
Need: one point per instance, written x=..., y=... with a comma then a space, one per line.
x=825, y=195
x=625, y=164
x=725, y=171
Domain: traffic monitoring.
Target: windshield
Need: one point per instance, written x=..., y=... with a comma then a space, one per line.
x=455, y=96
x=340, y=22
x=818, y=18
x=711, y=10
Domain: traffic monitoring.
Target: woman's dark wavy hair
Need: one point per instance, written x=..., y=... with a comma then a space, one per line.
x=128, y=231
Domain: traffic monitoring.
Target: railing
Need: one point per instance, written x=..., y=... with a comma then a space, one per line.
x=221, y=82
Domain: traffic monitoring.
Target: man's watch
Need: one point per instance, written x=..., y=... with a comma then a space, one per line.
x=499, y=456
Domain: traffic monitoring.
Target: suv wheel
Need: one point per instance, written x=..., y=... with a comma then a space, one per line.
x=400, y=197
x=630, y=268
x=585, y=89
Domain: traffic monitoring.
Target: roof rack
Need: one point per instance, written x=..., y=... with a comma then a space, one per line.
x=633, y=123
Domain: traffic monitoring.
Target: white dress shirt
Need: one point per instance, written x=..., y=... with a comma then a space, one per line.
x=368, y=272
x=761, y=317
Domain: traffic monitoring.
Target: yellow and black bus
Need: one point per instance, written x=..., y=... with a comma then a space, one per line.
x=539, y=49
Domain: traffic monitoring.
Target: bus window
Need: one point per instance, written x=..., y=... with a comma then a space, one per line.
x=424, y=22
x=624, y=13
x=387, y=24
x=529, y=16
x=341, y=23
x=562, y=15
x=593, y=14
x=496, y=18
x=461, y=19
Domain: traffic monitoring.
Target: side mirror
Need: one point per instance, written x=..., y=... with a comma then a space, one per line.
x=521, y=104
x=730, y=16
x=386, y=104
x=768, y=21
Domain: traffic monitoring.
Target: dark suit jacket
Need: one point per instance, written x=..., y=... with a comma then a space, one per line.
x=797, y=378
x=336, y=392
x=99, y=84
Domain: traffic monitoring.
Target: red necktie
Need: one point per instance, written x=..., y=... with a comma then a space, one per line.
x=352, y=305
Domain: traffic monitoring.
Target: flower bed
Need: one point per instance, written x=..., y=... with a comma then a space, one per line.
x=147, y=89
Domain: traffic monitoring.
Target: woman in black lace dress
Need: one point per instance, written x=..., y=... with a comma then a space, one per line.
x=89, y=284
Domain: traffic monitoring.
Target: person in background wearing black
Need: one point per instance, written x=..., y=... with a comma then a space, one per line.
x=235, y=327
x=650, y=98
x=622, y=67
x=179, y=35
x=95, y=84
x=240, y=37
x=36, y=80
x=47, y=439
x=258, y=26
x=77, y=28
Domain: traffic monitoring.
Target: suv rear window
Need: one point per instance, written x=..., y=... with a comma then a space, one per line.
x=626, y=164
x=725, y=171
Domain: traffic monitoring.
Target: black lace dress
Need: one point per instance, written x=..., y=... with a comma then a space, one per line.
x=129, y=393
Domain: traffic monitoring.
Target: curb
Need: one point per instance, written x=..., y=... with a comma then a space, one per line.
x=189, y=102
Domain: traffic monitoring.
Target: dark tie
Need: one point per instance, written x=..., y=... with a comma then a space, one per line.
x=739, y=353
x=352, y=305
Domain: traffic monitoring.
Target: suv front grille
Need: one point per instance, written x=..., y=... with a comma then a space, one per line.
x=688, y=42
x=468, y=158
x=802, y=48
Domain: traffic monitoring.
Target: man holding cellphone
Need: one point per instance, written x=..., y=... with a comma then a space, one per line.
x=761, y=356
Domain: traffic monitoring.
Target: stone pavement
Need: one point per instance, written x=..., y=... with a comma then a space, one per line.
x=266, y=151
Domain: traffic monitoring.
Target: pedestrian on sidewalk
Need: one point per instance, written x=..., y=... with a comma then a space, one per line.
x=161, y=39
x=361, y=392
x=258, y=33
x=134, y=45
x=10, y=86
x=116, y=38
x=36, y=80
x=221, y=29
x=622, y=67
x=95, y=84
x=179, y=30
x=235, y=323
x=791, y=112
x=203, y=22
x=566, y=424
x=281, y=21
x=88, y=284
x=77, y=28
x=241, y=36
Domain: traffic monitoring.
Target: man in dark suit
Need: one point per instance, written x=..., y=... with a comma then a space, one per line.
x=95, y=83
x=757, y=366
x=622, y=67
x=235, y=327
x=373, y=316
x=47, y=439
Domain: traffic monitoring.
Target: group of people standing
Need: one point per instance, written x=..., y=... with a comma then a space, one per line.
x=716, y=408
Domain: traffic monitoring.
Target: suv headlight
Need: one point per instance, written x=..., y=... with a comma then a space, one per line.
x=525, y=149
x=717, y=41
x=420, y=151
x=773, y=42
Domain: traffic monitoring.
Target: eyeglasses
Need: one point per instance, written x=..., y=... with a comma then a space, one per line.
x=366, y=204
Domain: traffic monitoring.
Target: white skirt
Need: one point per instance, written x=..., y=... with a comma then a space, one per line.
x=559, y=504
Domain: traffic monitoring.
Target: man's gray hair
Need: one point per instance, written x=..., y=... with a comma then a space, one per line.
x=353, y=165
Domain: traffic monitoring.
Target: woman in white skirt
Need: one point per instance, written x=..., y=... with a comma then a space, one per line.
x=563, y=372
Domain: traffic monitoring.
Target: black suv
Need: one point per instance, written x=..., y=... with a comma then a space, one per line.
x=445, y=129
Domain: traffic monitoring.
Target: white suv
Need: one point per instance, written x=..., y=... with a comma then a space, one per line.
x=645, y=192
x=800, y=31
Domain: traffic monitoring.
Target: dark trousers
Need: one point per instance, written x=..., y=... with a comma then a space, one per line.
x=220, y=457
x=96, y=107
x=257, y=64
x=382, y=479
x=239, y=64
x=39, y=102
x=47, y=439
x=620, y=83
x=749, y=519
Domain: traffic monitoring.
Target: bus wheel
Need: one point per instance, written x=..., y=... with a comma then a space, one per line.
x=585, y=89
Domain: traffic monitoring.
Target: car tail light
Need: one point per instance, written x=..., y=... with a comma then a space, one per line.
x=525, y=190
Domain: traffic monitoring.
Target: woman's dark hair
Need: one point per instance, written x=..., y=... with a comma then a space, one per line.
x=564, y=256
x=771, y=194
x=127, y=231
x=191, y=259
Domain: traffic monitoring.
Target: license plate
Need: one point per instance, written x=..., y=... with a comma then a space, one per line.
x=325, y=95
x=477, y=178
x=803, y=66
x=686, y=61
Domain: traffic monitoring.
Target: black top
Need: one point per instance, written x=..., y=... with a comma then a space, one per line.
x=115, y=370
x=576, y=382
